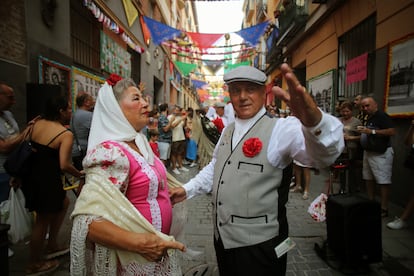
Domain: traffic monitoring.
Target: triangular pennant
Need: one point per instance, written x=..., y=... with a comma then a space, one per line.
x=160, y=32
x=199, y=84
x=204, y=41
x=185, y=68
x=213, y=65
x=252, y=34
x=130, y=11
x=272, y=38
x=145, y=31
x=202, y=92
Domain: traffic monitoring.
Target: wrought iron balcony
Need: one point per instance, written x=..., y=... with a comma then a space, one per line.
x=293, y=12
x=292, y=16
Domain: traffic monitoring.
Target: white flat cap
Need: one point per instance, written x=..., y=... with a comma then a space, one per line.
x=245, y=73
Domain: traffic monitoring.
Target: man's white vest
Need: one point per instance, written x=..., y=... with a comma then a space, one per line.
x=245, y=190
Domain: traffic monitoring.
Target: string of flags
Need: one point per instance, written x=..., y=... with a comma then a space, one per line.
x=205, y=59
x=196, y=51
x=161, y=32
x=199, y=43
x=107, y=22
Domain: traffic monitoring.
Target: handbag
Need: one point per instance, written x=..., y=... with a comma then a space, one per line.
x=409, y=160
x=17, y=163
x=14, y=213
x=317, y=209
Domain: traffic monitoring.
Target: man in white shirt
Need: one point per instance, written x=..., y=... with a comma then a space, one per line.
x=247, y=176
x=218, y=119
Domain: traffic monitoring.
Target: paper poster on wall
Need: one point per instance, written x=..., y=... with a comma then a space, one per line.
x=52, y=72
x=114, y=58
x=399, y=88
x=321, y=89
x=86, y=82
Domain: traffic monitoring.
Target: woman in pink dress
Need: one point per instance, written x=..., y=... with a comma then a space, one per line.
x=123, y=215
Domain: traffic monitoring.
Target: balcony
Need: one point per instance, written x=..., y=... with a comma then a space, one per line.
x=292, y=18
x=292, y=14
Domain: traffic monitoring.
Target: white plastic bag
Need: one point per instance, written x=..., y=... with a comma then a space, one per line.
x=4, y=211
x=18, y=217
x=317, y=209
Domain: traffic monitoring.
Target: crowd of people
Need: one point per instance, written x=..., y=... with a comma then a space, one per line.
x=122, y=150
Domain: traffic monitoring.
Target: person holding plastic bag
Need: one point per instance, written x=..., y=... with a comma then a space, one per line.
x=14, y=213
x=10, y=137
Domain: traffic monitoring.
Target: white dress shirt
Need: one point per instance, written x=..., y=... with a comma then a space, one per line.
x=323, y=144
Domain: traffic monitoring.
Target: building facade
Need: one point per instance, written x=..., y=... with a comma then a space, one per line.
x=342, y=48
x=73, y=46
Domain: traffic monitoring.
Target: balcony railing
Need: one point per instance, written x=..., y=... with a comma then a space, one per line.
x=292, y=18
x=293, y=13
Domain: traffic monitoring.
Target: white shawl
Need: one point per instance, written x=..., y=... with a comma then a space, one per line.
x=101, y=199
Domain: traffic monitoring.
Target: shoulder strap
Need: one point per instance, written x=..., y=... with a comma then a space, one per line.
x=53, y=139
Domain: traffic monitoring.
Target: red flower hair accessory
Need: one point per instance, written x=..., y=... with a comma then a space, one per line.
x=252, y=147
x=113, y=79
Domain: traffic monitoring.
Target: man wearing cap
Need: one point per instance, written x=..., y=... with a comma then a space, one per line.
x=247, y=175
x=219, y=120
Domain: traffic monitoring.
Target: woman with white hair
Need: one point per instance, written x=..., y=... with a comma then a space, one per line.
x=123, y=215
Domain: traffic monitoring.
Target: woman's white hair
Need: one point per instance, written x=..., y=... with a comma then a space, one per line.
x=121, y=86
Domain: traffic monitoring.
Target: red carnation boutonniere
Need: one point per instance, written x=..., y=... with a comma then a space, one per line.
x=252, y=147
x=113, y=79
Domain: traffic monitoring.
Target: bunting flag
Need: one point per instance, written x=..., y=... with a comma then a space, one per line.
x=114, y=27
x=185, y=68
x=272, y=37
x=178, y=77
x=252, y=34
x=130, y=11
x=160, y=32
x=199, y=84
x=213, y=65
x=171, y=67
x=249, y=54
x=145, y=31
x=228, y=50
x=204, y=41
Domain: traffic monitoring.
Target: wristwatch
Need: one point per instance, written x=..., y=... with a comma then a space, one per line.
x=373, y=132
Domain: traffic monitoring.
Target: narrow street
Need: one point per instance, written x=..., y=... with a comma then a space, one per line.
x=194, y=216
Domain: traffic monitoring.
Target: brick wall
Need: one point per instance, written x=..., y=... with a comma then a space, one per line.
x=13, y=31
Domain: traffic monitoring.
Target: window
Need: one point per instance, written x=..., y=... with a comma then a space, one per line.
x=356, y=42
x=85, y=36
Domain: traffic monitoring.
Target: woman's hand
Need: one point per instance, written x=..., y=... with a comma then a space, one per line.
x=149, y=245
x=177, y=195
x=153, y=248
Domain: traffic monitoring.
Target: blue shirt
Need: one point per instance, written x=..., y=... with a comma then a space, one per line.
x=165, y=137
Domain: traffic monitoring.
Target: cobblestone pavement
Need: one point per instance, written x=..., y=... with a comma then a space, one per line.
x=194, y=217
